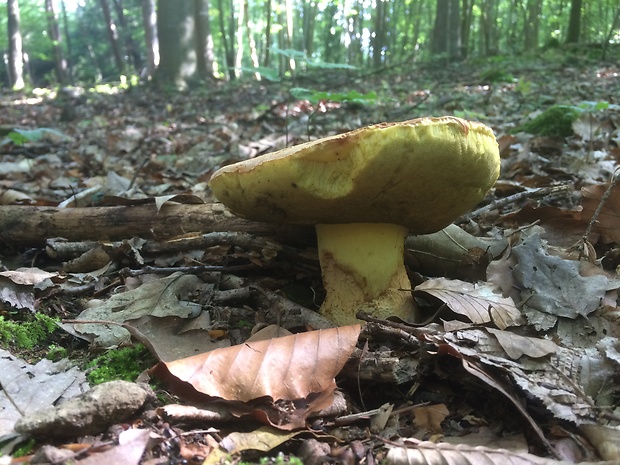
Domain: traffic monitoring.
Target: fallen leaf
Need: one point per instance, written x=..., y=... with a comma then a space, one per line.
x=608, y=221
x=29, y=388
x=477, y=302
x=553, y=285
x=289, y=367
x=429, y=417
x=160, y=298
x=516, y=346
x=129, y=451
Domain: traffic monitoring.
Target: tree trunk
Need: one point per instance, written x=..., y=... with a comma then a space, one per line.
x=446, y=30
x=239, y=38
x=16, y=60
x=467, y=14
x=149, y=17
x=130, y=46
x=289, y=32
x=574, y=22
x=112, y=36
x=85, y=36
x=267, y=59
x=205, y=55
x=251, y=41
x=67, y=36
x=227, y=36
x=488, y=28
x=331, y=39
x=310, y=9
x=379, y=39
x=532, y=24
x=60, y=64
x=175, y=29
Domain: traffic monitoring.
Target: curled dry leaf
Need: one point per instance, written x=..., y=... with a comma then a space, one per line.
x=285, y=368
x=477, y=302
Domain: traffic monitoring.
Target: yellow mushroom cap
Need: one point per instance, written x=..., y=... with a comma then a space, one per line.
x=422, y=174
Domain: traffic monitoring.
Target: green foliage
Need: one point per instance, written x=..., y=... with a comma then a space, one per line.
x=56, y=353
x=555, y=121
x=302, y=58
x=25, y=448
x=593, y=106
x=315, y=96
x=280, y=459
x=27, y=334
x=523, y=87
x=22, y=136
x=120, y=364
x=496, y=75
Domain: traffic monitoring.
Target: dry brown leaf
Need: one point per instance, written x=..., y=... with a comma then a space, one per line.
x=429, y=417
x=288, y=368
x=608, y=222
x=516, y=346
x=477, y=302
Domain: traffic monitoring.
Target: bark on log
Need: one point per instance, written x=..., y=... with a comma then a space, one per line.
x=28, y=225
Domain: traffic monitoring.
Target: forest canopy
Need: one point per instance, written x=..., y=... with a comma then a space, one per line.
x=79, y=42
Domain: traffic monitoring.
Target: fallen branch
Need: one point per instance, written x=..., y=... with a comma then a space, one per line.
x=28, y=225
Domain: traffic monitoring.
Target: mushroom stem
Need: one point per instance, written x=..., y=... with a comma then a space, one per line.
x=363, y=269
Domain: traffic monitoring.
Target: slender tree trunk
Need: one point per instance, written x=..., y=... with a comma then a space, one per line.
x=467, y=14
x=488, y=28
x=67, y=36
x=239, y=39
x=379, y=39
x=205, y=54
x=330, y=40
x=289, y=31
x=251, y=41
x=574, y=22
x=84, y=33
x=532, y=24
x=267, y=55
x=16, y=60
x=310, y=9
x=60, y=64
x=130, y=46
x=614, y=25
x=446, y=34
x=149, y=17
x=112, y=36
x=175, y=29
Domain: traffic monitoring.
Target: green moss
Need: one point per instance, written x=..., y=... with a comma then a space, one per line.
x=124, y=364
x=27, y=334
x=56, y=353
x=556, y=121
x=24, y=449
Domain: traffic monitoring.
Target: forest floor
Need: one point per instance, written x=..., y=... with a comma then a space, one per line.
x=127, y=299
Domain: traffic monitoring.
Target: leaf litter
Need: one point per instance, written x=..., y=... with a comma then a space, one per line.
x=529, y=333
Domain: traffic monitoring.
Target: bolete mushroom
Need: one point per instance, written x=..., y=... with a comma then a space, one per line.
x=365, y=190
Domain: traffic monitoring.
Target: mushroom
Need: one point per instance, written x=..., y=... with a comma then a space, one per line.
x=365, y=190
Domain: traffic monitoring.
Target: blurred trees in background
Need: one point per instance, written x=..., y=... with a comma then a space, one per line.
x=62, y=41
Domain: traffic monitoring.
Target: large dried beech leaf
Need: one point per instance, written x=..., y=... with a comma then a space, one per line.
x=477, y=302
x=289, y=368
x=430, y=453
